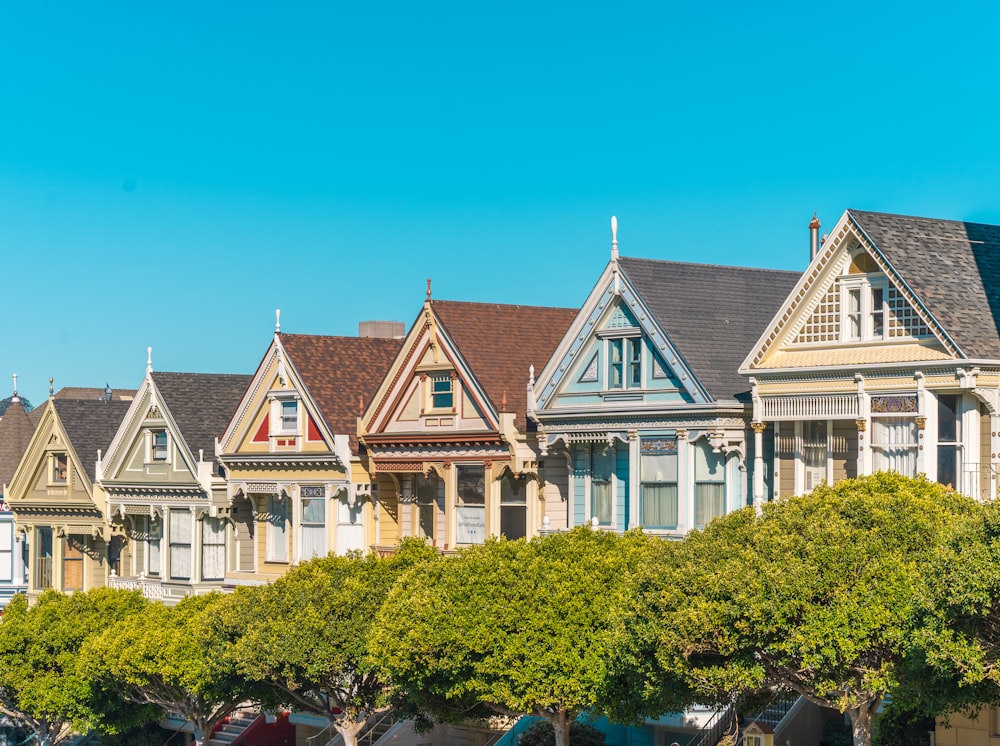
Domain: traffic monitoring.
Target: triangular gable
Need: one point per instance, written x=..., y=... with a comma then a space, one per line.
x=584, y=368
x=250, y=431
x=406, y=402
x=135, y=457
x=819, y=313
x=31, y=480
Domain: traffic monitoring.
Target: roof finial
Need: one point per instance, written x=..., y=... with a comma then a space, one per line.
x=50, y=388
x=149, y=359
x=14, y=398
x=503, y=401
x=614, y=238
x=361, y=406
x=531, y=374
x=428, y=288
x=277, y=321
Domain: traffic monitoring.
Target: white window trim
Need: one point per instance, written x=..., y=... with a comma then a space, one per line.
x=428, y=382
x=865, y=284
x=151, y=447
x=277, y=427
x=625, y=337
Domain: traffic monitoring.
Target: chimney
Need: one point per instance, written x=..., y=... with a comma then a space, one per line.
x=813, y=237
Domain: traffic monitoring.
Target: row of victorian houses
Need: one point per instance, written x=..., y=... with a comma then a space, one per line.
x=677, y=392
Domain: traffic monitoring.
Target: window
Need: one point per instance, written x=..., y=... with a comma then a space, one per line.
x=864, y=309
x=159, y=445
x=180, y=544
x=894, y=445
x=42, y=552
x=658, y=491
x=625, y=363
x=814, y=452
x=709, y=485
x=426, y=494
x=635, y=362
x=289, y=416
x=277, y=529
x=72, y=563
x=153, y=536
x=6, y=551
x=471, y=511
x=442, y=392
x=513, y=507
x=213, y=549
x=949, y=454
x=313, y=527
x=602, y=463
x=60, y=466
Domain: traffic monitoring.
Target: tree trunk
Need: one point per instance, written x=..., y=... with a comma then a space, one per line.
x=350, y=732
x=861, y=723
x=560, y=724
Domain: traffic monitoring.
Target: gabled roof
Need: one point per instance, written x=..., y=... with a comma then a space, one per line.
x=84, y=393
x=16, y=428
x=90, y=426
x=201, y=404
x=340, y=372
x=712, y=314
x=952, y=267
x=500, y=342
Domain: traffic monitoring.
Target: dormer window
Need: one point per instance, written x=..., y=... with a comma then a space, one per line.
x=625, y=363
x=289, y=416
x=158, y=445
x=865, y=309
x=60, y=467
x=442, y=392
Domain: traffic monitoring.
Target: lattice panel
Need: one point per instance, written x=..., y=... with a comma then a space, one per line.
x=824, y=324
x=903, y=318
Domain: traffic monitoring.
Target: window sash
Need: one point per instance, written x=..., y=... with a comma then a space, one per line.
x=277, y=530
x=6, y=551
x=658, y=507
x=709, y=502
x=73, y=563
x=159, y=449
x=442, y=392
x=180, y=544
x=313, y=528
x=213, y=549
x=894, y=445
x=289, y=416
x=471, y=484
x=42, y=551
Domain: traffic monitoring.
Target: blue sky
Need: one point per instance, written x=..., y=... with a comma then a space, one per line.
x=170, y=173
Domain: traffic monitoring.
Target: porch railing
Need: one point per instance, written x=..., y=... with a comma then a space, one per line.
x=151, y=589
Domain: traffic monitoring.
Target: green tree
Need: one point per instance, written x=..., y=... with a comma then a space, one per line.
x=516, y=627
x=306, y=635
x=543, y=734
x=824, y=594
x=173, y=658
x=41, y=684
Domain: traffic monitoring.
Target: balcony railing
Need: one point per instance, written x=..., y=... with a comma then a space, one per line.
x=151, y=589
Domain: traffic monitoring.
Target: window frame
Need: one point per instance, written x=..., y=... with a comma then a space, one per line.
x=441, y=399
x=871, y=314
x=625, y=361
x=659, y=447
x=156, y=448
x=58, y=458
x=176, y=547
x=220, y=534
x=273, y=531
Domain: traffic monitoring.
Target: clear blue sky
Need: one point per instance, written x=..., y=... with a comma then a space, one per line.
x=170, y=173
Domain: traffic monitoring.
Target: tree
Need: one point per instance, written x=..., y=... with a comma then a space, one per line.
x=173, y=658
x=543, y=734
x=41, y=684
x=825, y=594
x=515, y=627
x=306, y=635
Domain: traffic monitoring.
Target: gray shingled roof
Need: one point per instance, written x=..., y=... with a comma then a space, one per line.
x=954, y=269
x=16, y=429
x=712, y=314
x=90, y=426
x=201, y=404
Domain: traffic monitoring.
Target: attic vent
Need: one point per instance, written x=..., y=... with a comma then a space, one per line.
x=621, y=319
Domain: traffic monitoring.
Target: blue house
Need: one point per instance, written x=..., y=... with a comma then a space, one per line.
x=642, y=415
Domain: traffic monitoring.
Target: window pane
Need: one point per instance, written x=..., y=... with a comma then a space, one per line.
x=878, y=315
x=709, y=466
x=154, y=547
x=635, y=363
x=471, y=484
x=6, y=551
x=289, y=415
x=947, y=466
x=43, y=557
x=442, y=393
x=600, y=497
x=709, y=502
x=313, y=510
x=73, y=563
x=277, y=536
x=160, y=445
x=615, y=364
x=180, y=544
x=948, y=420
x=894, y=445
x=513, y=521
x=213, y=549
x=659, y=505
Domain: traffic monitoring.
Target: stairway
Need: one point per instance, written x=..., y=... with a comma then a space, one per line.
x=233, y=728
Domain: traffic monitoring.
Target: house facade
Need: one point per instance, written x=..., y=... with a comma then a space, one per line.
x=885, y=356
x=453, y=455
x=298, y=486
x=53, y=495
x=16, y=427
x=642, y=417
x=164, y=490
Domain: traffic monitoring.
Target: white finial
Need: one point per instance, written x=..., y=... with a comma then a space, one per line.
x=531, y=375
x=614, y=238
x=277, y=321
x=149, y=359
x=15, y=398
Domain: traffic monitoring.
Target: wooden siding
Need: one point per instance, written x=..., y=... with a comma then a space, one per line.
x=845, y=464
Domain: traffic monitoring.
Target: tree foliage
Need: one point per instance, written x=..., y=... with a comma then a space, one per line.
x=515, y=627
x=543, y=734
x=306, y=635
x=172, y=658
x=825, y=594
x=42, y=685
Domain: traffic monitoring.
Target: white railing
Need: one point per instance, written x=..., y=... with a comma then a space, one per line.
x=971, y=479
x=151, y=589
x=800, y=407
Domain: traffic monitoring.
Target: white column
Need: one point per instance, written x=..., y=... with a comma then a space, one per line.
x=758, y=465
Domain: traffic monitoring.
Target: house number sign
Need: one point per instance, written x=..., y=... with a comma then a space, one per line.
x=312, y=491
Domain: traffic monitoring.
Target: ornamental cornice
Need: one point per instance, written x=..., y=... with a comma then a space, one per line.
x=635, y=425
x=278, y=461
x=452, y=452
x=56, y=511
x=154, y=491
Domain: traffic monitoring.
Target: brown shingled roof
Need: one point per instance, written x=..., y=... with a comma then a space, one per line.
x=90, y=426
x=499, y=343
x=16, y=429
x=340, y=371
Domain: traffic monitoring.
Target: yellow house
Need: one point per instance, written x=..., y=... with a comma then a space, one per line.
x=885, y=356
x=53, y=495
x=452, y=451
x=298, y=482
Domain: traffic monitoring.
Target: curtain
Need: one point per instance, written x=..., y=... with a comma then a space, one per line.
x=313, y=528
x=659, y=505
x=180, y=544
x=213, y=549
x=894, y=445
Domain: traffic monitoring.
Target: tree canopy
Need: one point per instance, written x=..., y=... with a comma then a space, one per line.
x=516, y=627
x=826, y=595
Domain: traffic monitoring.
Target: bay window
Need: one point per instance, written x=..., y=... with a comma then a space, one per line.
x=709, y=484
x=658, y=490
